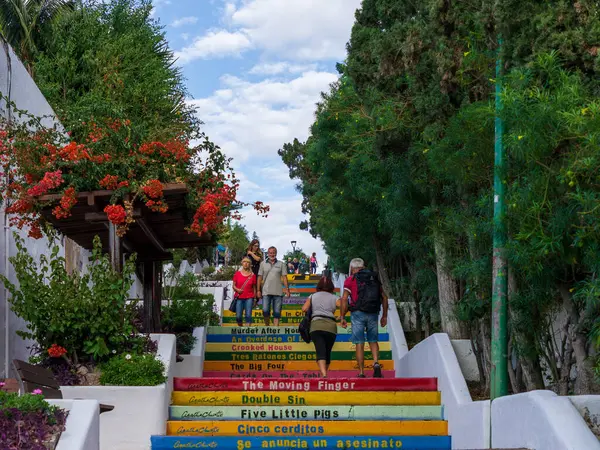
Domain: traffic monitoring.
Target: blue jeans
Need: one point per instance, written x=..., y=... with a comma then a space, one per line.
x=276, y=301
x=243, y=304
x=362, y=322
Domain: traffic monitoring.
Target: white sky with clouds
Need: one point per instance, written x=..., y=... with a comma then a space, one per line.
x=255, y=70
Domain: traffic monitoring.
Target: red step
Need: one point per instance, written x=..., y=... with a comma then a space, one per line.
x=294, y=374
x=320, y=385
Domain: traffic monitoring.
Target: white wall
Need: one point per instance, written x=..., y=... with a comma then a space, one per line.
x=83, y=425
x=539, y=420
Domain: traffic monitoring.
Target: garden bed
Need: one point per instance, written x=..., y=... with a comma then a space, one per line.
x=30, y=422
x=140, y=411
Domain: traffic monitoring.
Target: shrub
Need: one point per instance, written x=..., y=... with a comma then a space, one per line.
x=208, y=270
x=133, y=370
x=86, y=314
x=28, y=421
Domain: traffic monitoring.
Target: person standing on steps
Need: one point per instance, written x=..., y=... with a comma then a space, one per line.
x=256, y=257
x=323, y=327
x=244, y=286
x=271, y=274
x=313, y=264
x=363, y=296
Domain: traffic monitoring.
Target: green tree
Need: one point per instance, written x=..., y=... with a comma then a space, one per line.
x=109, y=60
x=398, y=169
x=22, y=23
x=236, y=240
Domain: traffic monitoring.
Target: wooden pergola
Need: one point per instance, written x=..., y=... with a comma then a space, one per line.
x=150, y=237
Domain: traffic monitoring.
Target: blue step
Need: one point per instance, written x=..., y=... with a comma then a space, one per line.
x=383, y=337
x=291, y=442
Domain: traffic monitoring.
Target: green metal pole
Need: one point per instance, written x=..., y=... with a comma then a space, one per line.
x=499, y=375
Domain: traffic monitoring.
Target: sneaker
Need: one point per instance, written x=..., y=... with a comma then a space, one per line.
x=361, y=375
x=377, y=371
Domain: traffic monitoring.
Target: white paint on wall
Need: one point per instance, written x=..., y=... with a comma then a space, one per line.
x=140, y=411
x=83, y=425
x=539, y=420
x=466, y=359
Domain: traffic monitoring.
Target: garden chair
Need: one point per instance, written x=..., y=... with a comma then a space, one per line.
x=32, y=377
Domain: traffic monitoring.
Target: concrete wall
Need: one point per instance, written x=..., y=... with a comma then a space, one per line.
x=468, y=421
x=539, y=420
x=83, y=425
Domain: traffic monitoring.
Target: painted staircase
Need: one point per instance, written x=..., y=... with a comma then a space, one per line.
x=261, y=389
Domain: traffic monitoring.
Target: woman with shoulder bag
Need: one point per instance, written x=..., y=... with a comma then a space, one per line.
x=323, y=326
x=244, y=286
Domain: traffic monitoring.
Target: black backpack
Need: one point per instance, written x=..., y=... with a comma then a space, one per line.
x=369, y=292
x=304, y=327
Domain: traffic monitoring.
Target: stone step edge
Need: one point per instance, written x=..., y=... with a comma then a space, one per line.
x=314, y=385
x=228, y=443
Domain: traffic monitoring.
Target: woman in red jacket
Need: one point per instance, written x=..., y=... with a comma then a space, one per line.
x=244, y=286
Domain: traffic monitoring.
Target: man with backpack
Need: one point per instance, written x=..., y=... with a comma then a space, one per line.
x=363, y=296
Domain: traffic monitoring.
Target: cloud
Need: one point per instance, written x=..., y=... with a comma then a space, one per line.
x=280, y=67
x=219, y=44
x=189, y=20
x=299, y=29
x=251, y=121
x=305, y=30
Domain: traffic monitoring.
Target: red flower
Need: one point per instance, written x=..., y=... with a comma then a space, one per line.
x=56, y=351
x=50, y=181
x=116, y=214
x=154, y=189
x=109, y=182
x=68, y=200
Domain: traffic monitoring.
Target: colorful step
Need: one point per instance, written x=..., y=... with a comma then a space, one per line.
x=257, y=313
x=330, y=442
x=349, y=355
x=306, y=413
x=301, y=398
x=260, y=366
x=251, y=338
x=232, y=321
x=272, y=330
x=322, y=385
x=286, y=347
x=298, y=428
x=294, y=375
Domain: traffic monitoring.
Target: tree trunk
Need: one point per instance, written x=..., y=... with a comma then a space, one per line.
x=381, y=268
x=585, y=382
x=485, y=339
x=447, y=292
x=530, y=366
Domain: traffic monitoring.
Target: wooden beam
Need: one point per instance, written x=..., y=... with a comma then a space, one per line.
x=168, y=189
x=150, y=234
x=103, y=217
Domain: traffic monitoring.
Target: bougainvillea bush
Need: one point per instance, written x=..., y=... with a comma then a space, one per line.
x=115, y=155
x=28, y=421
